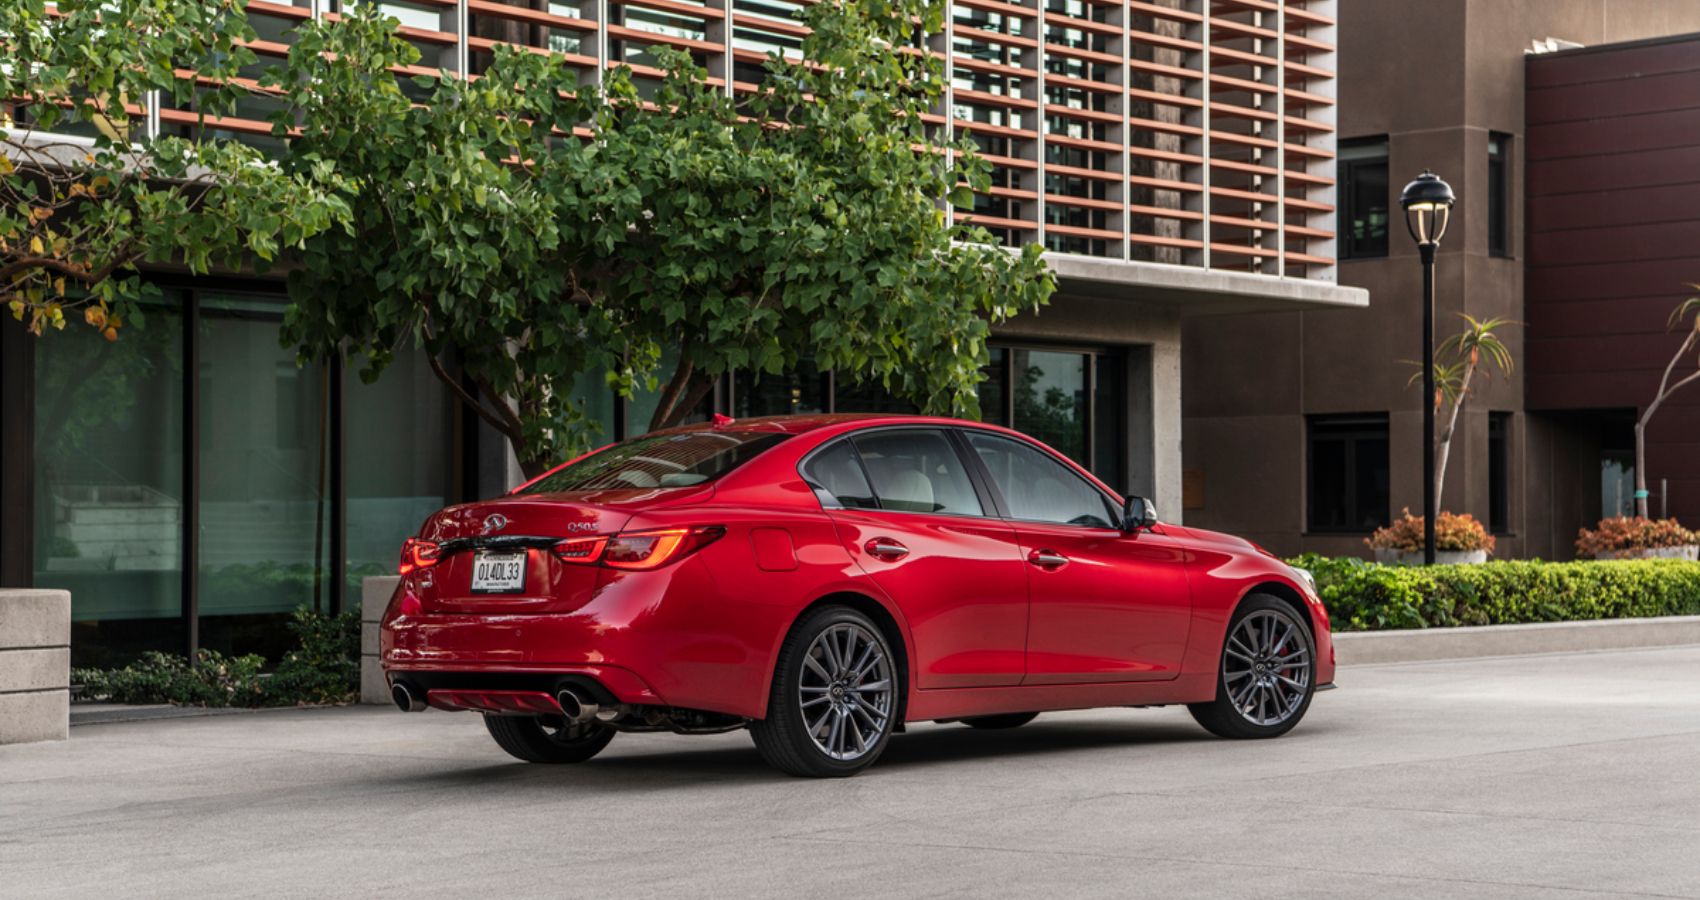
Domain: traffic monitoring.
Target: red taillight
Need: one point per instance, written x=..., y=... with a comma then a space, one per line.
x=637, y=550
x=418, y=554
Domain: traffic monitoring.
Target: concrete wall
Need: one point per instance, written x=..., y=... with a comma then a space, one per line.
x=1435, y=78
x=35, y=665
x=374, y=597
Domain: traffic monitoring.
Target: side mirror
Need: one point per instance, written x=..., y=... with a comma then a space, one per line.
x=1137, y=513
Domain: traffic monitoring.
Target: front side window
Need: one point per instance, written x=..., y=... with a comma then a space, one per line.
x=659, y=461
x=917, y=470
x=1037, y=488
x=1364, y=193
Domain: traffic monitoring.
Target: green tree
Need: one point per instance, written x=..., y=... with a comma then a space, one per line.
x=1460, y=357
x=84, y=197
x=533, y=229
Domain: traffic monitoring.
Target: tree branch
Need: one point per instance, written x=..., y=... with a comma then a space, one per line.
x=467, y=398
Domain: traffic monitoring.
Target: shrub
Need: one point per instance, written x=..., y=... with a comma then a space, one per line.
x=325, y=668
x=1622, y=533
x=1361, y=595
x=1460, y=533
x=212, y=679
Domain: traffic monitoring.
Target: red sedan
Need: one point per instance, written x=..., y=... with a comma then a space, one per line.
x=824, y=580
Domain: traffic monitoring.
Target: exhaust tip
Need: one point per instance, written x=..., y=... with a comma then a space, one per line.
x=404, y=699
x=575, y=707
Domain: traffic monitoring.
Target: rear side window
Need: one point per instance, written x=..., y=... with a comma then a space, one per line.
x=660, y=461
x=917, y=470
x=836, y=475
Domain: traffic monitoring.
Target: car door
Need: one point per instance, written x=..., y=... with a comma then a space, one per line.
x=914, y=520
x=1105, y=605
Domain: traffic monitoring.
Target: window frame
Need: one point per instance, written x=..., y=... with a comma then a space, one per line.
x=1346, y=187
x=988, y=508
x=1112, y=503
x=1310, y=482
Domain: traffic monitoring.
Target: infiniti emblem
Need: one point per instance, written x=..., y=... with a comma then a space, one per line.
x=495, y=522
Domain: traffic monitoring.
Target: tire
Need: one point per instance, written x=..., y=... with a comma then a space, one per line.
x=998, y=722
x=536, y=739
x=826, y=718
x=1278, y=676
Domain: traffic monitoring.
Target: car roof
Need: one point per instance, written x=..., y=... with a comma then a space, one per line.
x=799, y=424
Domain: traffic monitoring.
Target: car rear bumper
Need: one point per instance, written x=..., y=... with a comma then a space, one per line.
x=663, y=641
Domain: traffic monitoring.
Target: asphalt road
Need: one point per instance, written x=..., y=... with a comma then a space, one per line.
x=1554, y=776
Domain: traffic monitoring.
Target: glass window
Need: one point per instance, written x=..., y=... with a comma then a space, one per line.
x=109, y=484
x=1348, y=484
x=398, y=462
x=1363, y=198
x=1037, y=488
x=1499, y=195
x=868, y=396
x=1051, y=401
x=1499, y=468
x=836, y=475
x=663, y=460
x=1109, y=411
x=801, y=390
x=264, y=464
x=917, y=470
x=993, y=396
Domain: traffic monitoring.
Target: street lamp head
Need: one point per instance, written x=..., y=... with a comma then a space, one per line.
x=1428, y=206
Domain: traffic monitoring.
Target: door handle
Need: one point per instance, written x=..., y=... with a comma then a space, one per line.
x=886, y=549
x=1047, y=559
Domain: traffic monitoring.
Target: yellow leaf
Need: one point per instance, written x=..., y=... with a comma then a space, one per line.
x=35, y=245
x=59, y=286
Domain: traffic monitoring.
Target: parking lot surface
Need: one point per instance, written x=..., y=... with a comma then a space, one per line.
x=1553, y=776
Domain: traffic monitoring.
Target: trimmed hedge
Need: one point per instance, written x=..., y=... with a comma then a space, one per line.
x=1361, y=596
x=324, y=668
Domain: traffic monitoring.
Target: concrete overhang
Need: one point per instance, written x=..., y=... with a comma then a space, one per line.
x=1196, y=291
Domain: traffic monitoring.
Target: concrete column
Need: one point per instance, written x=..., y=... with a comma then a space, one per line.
x=35, y=665
x=374, y=597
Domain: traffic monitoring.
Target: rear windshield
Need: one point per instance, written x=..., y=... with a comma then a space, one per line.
x=660, y=461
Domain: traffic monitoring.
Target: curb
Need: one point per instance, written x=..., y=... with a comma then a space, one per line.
x=1359, y=648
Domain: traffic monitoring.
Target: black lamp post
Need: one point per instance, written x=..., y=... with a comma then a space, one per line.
x=1428, y=205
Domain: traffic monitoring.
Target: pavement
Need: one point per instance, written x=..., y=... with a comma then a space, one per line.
x=1567, y=776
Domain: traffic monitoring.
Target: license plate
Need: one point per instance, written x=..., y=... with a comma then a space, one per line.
x=498, y=573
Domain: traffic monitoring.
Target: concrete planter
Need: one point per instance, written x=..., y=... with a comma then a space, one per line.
x=374, y=597
x=35, y=665
x=1441, y=557
x=1687, y=551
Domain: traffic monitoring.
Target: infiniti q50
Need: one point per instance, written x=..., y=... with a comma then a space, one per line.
x=823, y=581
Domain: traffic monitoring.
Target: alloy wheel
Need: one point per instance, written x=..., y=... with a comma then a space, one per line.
x=845, y=691
x=1266, y=667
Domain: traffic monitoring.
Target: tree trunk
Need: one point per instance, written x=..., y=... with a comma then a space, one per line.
x=1445, y=448
x=1641, y=424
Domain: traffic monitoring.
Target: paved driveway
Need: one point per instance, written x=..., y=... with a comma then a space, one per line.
x=1555, y=776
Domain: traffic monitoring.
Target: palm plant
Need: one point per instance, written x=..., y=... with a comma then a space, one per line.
x=1689, y=307
x=1468, y=349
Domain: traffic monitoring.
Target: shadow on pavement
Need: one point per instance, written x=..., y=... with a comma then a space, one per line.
x=685, y=761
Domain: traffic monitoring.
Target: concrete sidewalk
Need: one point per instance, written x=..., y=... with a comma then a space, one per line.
x=1550, y=776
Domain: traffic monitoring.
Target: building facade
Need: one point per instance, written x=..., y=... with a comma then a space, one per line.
x=1317, y=440
x=191, y=484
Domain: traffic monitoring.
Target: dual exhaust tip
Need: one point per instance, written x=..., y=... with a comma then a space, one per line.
x=578, y=708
